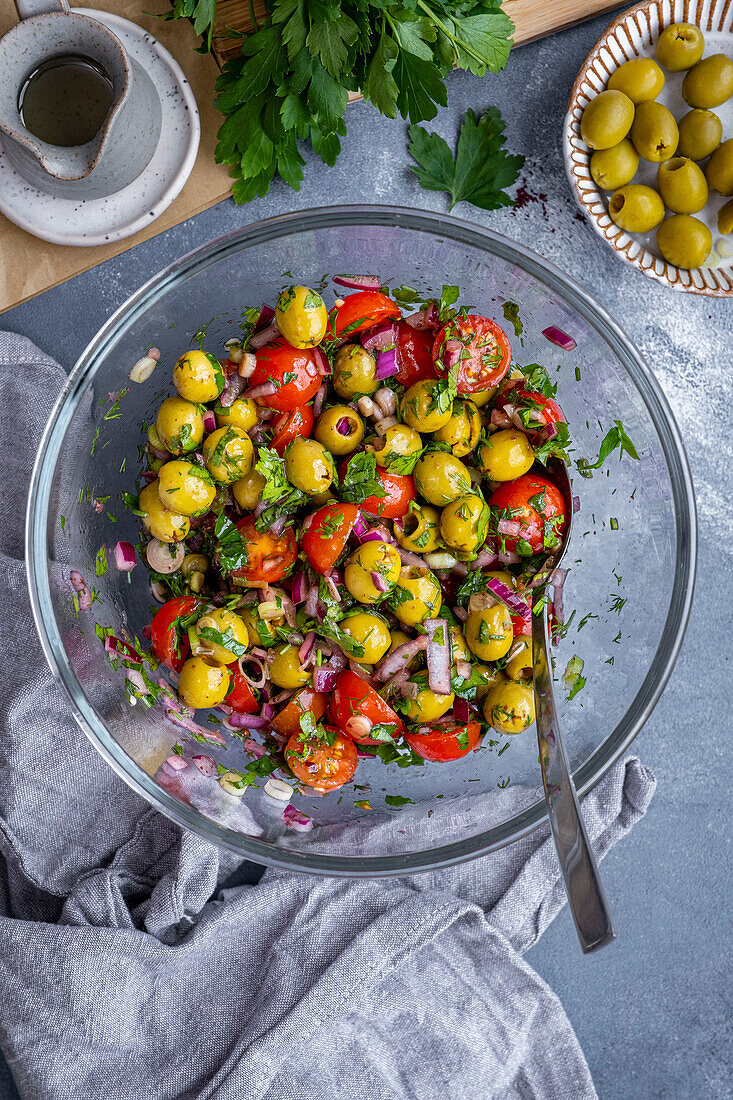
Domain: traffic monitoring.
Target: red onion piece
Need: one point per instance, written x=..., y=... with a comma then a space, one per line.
x=311, y=602
x=377, y=534
x=125, y=557
x=267, y=315
x=500, y=419
x=418, y=320
x=463, y=668
x=209, y=421
x=510, y=527
x=381, y=338
x=508, y=557
x=452, y=353
x=205, y=764
x=278, y=526
x=324, y=678
x=264, y=336
x=295, y=819
x=120, y=648
x=411, y=559
x=180, y=718
x=265, y=389
x=300, y=588
x=511, y=599
x=461, y=710
x=322, y=363
x=576, y=504
x=561, y=339
x=332, y=579
x=82, y=590
x=460, y=613
x=399, y=658
x=359, y=282
x=319, y=399
x=380, y=583
x=483, y=560
x=176, y=763
x=248, y=721
x=305, y=650
x=438, y=656
x=408, y=689
x=344, y=426
x=387, y=364
x=249, y=660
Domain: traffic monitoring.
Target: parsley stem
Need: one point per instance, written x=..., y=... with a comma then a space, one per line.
x=456, y=41
x=252, y=15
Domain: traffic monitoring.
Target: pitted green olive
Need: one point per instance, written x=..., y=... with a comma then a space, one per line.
x=242, y=413
x=396, y=447
x=725, y=218
x=636, y=208
x=354, y=372
x=719, y=169
x=261, y=632
x=441, y=478
x=419, y=530
x=427, y=706
x=369, y=631
x=309, y=466
x=203, y=683
x=614, y=167
x=509, y=706
x=682, y=185
x=463, y=523
x=654, y=132
x=198, y=376
x=425, y=406
x=489, y=632
x=301, y=316
x=710, y=82
x=180, y=425
x=607, y=120
x=416, y=597
x=700, y=134
x=162, y=524
x=684, y=241
x=216, y=629
x=339, y=429
x=519, y=667
x=248, y=490
x=462, y=431
x=639, y=79
x=185, y=488
x=286, y=670
x=372, y=571
x=228, y=454
x=507, y=454
x=680, y=46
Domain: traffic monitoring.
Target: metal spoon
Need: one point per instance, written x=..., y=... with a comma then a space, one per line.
x=587, y=900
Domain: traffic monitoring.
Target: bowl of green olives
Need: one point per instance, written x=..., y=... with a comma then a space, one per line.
x=648, y=142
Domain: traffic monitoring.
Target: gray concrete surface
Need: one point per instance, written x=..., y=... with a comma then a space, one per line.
x=653, y=1012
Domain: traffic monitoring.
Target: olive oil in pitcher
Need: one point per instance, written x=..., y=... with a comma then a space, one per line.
x=66, y=100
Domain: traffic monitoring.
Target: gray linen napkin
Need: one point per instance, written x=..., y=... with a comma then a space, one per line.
x=121, y=977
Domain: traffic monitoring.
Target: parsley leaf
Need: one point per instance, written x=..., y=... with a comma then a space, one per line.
x=360, y=479
x=232, y=550
x=615, y=438
x=398, y=800
x=481, y=169
x=282, y=498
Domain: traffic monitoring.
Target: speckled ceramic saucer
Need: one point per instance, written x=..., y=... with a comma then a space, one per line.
x=634, y=34
x=96, y=221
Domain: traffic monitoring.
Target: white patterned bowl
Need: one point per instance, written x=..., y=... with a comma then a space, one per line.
x=634, y=34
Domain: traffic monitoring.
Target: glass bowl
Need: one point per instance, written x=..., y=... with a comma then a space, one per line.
x=631, y=558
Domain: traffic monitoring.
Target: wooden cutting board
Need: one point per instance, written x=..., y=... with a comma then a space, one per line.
x=29, y=266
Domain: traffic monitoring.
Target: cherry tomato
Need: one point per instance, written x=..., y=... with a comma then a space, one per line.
x=363, y=310
x=548, y=409
x=287, y=722
x=289, y=425
x=268, y=558
x=276, y=362
x=321, y=766
x=354, y=697
x=241, y=698
x=483, y=347
x=415, y=354
x=537, y=505
x=448, y=742
x=326, y=534
x=399, y=489
x=163, y=632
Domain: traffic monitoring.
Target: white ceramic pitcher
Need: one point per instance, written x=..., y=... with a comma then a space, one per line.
x=127, y=139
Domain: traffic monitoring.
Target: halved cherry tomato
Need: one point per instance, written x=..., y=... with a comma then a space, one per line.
x=399, y=489
x=277, y=362
x=448, y=742
x=241, y=698
x=484, y=352
x=289, y=425
x=287, y=722
x=538, y=505
x=268, y=558
x=363, y=310
x=545, y=407
x=354, y=697
x=415, y=354
x=326, y=534
x=163, y=632
x=321, y=766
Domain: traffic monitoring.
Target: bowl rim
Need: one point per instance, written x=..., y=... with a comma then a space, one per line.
x=617, y=741
x=589, y=197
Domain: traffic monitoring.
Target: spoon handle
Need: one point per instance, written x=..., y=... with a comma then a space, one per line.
x=587, y=900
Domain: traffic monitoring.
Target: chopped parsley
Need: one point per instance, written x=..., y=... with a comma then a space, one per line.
x=360, y=479
x=615, y=439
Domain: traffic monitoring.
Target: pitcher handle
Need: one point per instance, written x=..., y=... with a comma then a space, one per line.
x=27, y=8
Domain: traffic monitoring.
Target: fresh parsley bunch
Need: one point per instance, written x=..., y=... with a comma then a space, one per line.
x=292, y=79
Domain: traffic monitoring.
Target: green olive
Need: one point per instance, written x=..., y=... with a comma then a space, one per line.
x=654, y=133
x=242, y=413
x=416, y=597
x=198, y=376
x=489, y=632
x=506, y=455
x=710, y=82
x=459, y=650
x=680, y=46
x=371, y=632
x=162, y=524
x=700, y=134
x=719, y=169
x=682, y=185
x=339, y=429
x=636, y=208
x=203, y=683
x=180, y=425
x=427, y=706
x=396, y=448
x=248, y=490
x=462, y=431
x=684, y=241
x=286, y=670
x=228, y=454
x=261, y=632
x=463, y=523
x=607, y=120
x=725, y=218
x=639, y=79
x=419, y=530
x=614, y=167
x=215, y=628
x=301, y=316
x=185, y=488
x=509, y=706
x=309, y=466
x=372, y=571
x=519, y=667
x=425, y=406
x=354, y=372
x=441, y=478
